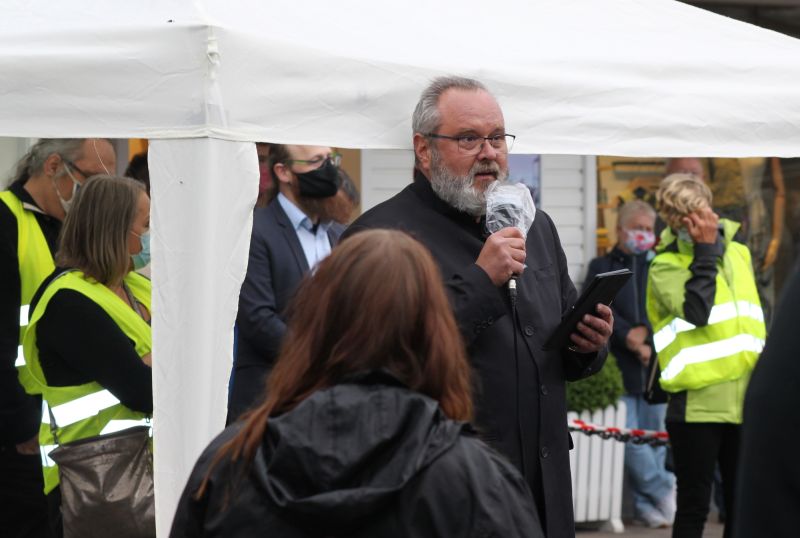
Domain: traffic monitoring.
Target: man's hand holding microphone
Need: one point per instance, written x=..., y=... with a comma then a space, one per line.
x=509, y=211
x=503, y=255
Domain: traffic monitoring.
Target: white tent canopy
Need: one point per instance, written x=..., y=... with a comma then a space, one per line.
x=621, y=77
x=613, y=77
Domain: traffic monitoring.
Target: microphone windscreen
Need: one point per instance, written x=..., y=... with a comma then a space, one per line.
x=509, y=205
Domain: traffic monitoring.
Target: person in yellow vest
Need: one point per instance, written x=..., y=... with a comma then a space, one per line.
x=708, y=332
x=31, y=212
x=88, y=340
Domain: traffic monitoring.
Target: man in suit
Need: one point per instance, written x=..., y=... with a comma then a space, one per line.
x=290, y=237
x=461, y=147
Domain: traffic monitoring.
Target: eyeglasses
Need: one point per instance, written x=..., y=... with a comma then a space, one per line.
x=472, y=144
x=72, y=165
x=335, y=158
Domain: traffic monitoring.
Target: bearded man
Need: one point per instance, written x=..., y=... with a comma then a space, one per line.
x=290, y=237
x=461, y=147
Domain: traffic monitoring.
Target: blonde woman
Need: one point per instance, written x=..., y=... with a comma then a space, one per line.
x=88, y=341
x=708, y=332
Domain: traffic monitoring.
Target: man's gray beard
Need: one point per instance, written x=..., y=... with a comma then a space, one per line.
x=460, y=192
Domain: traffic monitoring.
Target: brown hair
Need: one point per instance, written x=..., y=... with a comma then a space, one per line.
x=377, y=302
x=681, y=194
x=278, y=154
x=94, y=238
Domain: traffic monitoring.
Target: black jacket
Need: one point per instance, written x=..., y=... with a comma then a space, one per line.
x=275, y=268
x=75, y=337
x=768, y=481
x=629, y=312
x=521, y=406
x=362, y=459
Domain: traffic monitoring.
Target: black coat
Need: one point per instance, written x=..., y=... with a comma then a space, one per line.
x=768, y=481
x=629, y=312
x=521, y=406
x=365, y=459
x=275, y=268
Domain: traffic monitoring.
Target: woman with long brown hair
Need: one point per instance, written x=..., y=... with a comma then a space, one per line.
x=363, y=429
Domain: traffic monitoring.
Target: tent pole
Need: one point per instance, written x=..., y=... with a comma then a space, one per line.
x=203, y=192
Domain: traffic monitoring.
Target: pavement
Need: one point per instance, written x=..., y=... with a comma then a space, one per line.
x=632, y=530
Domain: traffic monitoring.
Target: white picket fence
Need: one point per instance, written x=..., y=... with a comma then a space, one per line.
x=597, y=471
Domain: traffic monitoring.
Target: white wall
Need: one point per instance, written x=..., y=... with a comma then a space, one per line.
x=11, y=151
x=569, y=195
x=384, y=173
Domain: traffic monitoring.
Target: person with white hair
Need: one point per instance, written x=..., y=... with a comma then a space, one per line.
x=631, y=345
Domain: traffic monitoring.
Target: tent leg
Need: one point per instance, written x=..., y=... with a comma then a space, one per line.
x=203, y=192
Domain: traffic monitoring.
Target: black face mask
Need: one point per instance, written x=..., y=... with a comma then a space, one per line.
x=320, y=183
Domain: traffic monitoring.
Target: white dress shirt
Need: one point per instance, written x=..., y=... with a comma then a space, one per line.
x=313, y=239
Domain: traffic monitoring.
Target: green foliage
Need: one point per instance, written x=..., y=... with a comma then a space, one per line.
x=598, y=391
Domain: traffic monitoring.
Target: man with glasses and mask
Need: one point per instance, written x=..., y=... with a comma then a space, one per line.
x=290, y=237
x=31, y=212
x=461, y=147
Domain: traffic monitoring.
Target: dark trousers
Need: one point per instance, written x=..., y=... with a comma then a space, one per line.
x=54, y=508
x=697, y=448
x=23, y=508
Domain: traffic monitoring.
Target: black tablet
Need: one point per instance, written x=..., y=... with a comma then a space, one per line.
x=602, y=289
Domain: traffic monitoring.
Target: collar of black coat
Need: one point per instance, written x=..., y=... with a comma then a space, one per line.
x=622, y=256
x=18, y=188
x=381, y=376
x=422, y=188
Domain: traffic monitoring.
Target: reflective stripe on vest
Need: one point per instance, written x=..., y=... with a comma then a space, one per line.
x=24, y=310
x=44, y=451
x=119, y=425
x=112, y=427
x=719, y=313
x=711, y=351
x=87, y=410
x=81, y=408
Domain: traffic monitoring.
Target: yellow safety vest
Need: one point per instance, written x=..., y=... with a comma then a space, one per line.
x=35, y=264
x=727, y=348
x=86, y=410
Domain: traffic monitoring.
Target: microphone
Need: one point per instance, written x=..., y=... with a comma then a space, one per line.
x=509, y=205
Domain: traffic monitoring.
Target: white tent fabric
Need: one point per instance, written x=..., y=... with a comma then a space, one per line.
x=587, y=77
x=613, y=77
x=203, y=199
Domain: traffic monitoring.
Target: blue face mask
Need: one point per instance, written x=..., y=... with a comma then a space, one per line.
x=142, y=258
x=683, y=235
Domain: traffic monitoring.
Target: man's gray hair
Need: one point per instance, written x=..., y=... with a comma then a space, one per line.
x=634, y=207
x=426, y=117
x=33, y=162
